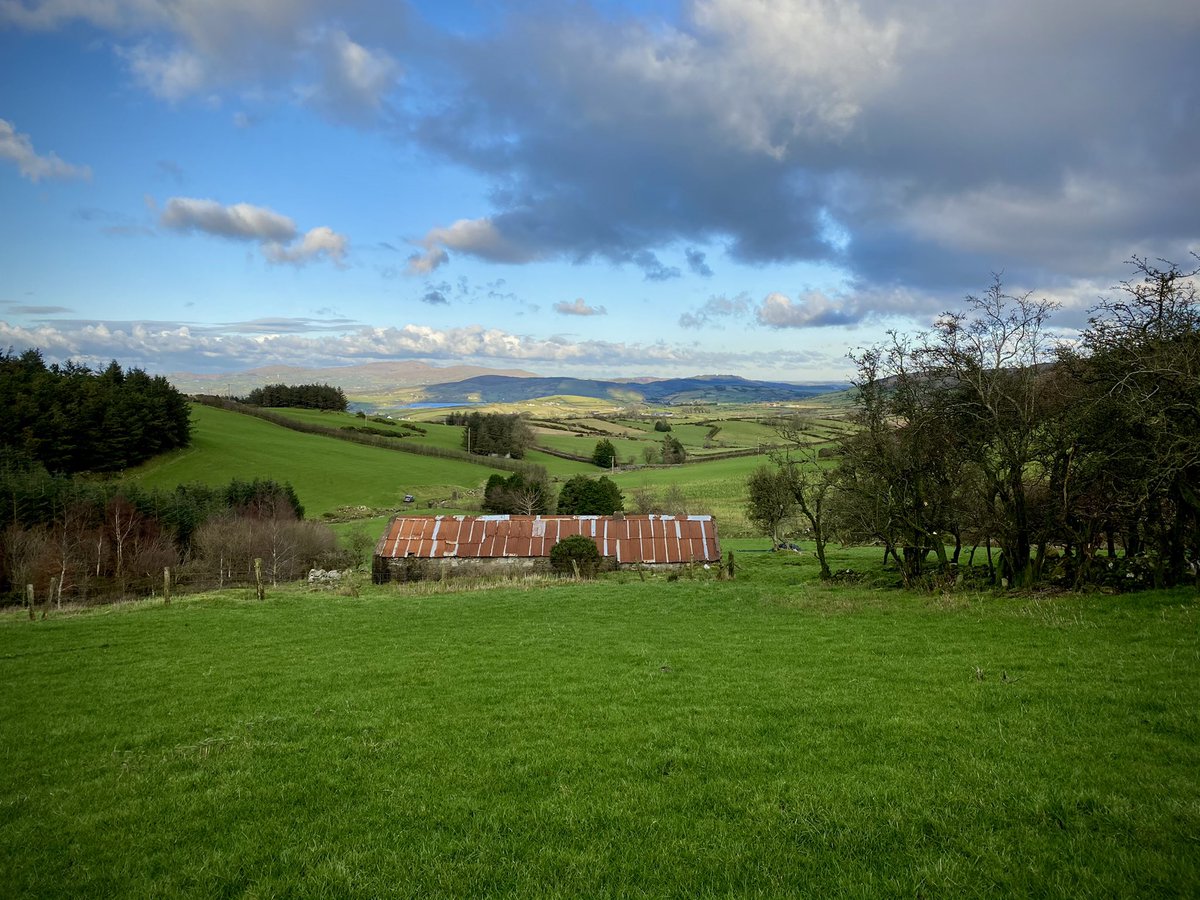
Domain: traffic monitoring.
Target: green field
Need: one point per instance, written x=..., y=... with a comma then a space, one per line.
x=334, y=476
x=763, y=737
x=327, y=473
x=717, y=488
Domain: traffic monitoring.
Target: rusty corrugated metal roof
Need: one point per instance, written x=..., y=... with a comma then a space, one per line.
x=628, y=539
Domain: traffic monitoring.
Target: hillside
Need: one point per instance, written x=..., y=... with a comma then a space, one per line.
x=326, y=473
x=700, y=389
x=366, y=379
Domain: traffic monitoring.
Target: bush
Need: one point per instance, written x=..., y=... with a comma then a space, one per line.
x=578, y=549
x=661, y=426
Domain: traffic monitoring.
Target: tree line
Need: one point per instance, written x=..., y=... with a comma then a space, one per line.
x=1072, y=463
x=530, y=493
x=300, y=396
x=70, y=418
x=86, y=541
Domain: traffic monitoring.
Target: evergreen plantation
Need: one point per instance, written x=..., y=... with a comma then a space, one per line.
x=71, y=419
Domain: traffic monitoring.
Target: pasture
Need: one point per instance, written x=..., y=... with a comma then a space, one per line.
x=327, y=473
x=769, y=736
x=336, y=477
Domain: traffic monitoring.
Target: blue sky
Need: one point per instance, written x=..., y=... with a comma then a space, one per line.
x=615, y=188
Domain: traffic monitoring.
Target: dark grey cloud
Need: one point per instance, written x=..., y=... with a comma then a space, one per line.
x=915, y=144
x=653, y=268
x=941, y=141
x=696, y=263
x=435, y=298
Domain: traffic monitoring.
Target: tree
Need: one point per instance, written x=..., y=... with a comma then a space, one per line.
x=661, y=425
x=811, y=483
x=583, y=496
x=576, y=553
x=73, y=420
x=672, y=451
x=769, y=501
x=892, y=482
x=988, y=366
x=1139, y=439
x=605, y=454
x=303, y=396
x=494, y=434
x=521, y=493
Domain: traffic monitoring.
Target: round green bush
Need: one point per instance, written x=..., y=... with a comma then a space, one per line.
x=578, y=548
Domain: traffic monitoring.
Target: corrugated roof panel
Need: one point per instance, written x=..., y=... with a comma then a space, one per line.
x=651, y=539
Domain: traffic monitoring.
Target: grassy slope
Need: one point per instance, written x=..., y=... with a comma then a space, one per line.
x=327, y=473
x=717, y=487
x=767, y=736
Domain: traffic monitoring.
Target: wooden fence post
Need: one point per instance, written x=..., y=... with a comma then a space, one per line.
x=261, y=590
x=166, y=585
x=730, y=567
x=29, y=600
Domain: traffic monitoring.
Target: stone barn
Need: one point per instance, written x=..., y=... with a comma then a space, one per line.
x=416, y=547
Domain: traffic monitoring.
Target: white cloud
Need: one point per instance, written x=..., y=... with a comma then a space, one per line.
x=171, y=75
x=424, y=263
x=317, y=243
x=766, y=71
x=716, y=308
x=241, y=220
x=18, y=148
x=188, y=48
x=579, y=308
x=812, y=310
x=354, y=80
x=475, y=237
x=276, y=233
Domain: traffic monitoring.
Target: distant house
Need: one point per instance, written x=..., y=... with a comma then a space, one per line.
x=416, y=547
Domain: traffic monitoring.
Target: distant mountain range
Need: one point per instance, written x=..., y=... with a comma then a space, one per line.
x=699, y=389
x=370, y=379
x=407, y=382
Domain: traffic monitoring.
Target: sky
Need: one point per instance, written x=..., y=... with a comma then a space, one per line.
x=595, y=189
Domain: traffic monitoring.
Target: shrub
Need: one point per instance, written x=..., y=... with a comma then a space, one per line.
x=578, y=549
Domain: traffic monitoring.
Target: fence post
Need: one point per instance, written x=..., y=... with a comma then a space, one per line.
x=166, y=585
x=261, y=590
x=730, y=566
x=29, y=600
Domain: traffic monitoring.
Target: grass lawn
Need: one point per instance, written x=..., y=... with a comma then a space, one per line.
x=768, y=736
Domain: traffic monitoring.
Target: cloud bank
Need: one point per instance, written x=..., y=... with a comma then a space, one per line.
x=188, y=347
